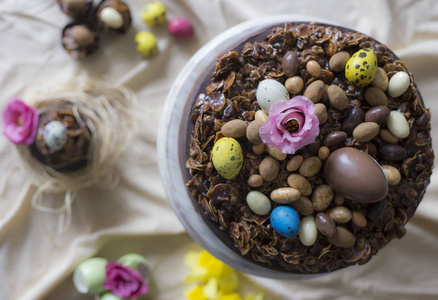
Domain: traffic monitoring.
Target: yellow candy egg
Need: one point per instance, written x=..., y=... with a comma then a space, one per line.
x=227, y=157
x=361, y=67
x=146, y=43
x=154, y=13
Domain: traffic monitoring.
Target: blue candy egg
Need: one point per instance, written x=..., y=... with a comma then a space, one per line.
x=55, y=135
x=286, y=221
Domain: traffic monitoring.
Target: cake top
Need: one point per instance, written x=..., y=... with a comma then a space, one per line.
x=310, y=149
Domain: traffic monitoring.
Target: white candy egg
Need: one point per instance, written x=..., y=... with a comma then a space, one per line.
x=55, y=135
x=111, y=17
x=270, y=91
x=398, y=84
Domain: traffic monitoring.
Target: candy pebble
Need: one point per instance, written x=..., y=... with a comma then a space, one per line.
x=398, y=84
x=111, y=17
x=361, y=67
x=270, y=91
x=308, y=231
x=227, y=157
x=286, y=221
x=146, y=44
x=398, y=125
x=258, y=203
x=55, y=135
x=181, y=28
x=154, y=13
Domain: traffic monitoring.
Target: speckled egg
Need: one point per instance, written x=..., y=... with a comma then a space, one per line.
x=154, y=13
x=146, y=44
x=227, y=157
x=270, y=91
x=286, y=221
x=55, y=135
x=361, y=67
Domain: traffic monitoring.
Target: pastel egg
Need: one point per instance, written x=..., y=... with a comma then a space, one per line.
x=308, y=231
x=227, y=157
x=270, y=91
x=398, y=125
x=89, y=276
x=111, y=17
x=361, y=67
x=154, y=13
x=181, y=28
x=55, y=135
x=398, y=84
x=258, y=203
x=146, y=44
x=286, y=221
x=356, y=175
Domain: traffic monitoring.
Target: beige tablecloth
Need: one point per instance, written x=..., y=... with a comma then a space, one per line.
x=136, y=217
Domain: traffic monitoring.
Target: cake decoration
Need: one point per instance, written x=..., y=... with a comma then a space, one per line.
x=127, y=278
x=20, y=122
x=270, y=91
x=291, y=125
x=398, y=84
x=286, y=221
x=308, y=231
x=69, y=136
x=227, y=157
x=357, y=177
x=361, y=67
x=258, y=202
x=154, y=13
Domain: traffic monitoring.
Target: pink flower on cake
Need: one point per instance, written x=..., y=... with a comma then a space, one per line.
x=123, y=281
x=20, y=122
x=291, y=125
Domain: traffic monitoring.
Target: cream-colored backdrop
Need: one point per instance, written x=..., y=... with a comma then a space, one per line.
x=136, y=217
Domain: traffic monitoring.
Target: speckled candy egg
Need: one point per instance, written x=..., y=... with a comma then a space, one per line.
x=55, y=135
x=361, y=67
x=146, y=44
x=270, y=91
x=286, y=221
x=227, y=157
x=154, y=13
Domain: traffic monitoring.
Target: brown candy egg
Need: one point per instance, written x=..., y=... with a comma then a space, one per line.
x=356, y=175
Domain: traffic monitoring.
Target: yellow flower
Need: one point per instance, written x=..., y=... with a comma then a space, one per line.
x=233, y=296
x=216, y=280
x=258, y=296
x=195, y=293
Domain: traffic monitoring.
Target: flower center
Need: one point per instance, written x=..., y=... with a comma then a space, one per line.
x=292, y=126
x=20, y=121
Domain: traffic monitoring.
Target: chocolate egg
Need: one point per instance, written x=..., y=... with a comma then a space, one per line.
x=356, y=175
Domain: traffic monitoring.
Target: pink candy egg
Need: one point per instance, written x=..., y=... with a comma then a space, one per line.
x=181, y=28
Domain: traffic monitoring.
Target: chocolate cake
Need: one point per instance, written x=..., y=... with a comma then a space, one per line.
x=347, y=190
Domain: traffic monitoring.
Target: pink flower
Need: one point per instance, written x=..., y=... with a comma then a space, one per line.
x=291, y=125
x=20, y=122
x=123, y=281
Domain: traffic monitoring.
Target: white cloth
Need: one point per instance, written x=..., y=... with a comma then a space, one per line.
x=136, y=217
